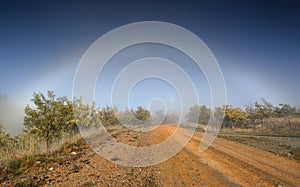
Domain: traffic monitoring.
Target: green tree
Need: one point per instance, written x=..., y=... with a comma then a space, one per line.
x=108, y=116
x=252, y=115
x=261, y=112
x=81, y=113
x=204, y=114
x=86, y=116
x=68, y=116
x=198, y=114
x=193, y=114
x=48, y=119
x=127, y=116
x=270, y=110
x=142, y=114
x=285, y=110
x=228, y=121
x=93, y=117
x=219, y=113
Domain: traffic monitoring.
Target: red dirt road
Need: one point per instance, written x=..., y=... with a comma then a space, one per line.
x=225, y=163
x=229, y=163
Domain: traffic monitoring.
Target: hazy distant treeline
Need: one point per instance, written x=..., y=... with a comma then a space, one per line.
x=264, y=115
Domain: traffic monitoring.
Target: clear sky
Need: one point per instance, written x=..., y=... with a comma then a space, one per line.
x=257, y=44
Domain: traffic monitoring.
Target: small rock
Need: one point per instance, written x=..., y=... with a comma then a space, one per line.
x=115, y=159
x=51, y=169
x=73, y=153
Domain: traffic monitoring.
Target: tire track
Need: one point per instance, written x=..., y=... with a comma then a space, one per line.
x=247, y=168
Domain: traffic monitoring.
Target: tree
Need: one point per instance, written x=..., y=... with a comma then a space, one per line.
x=193, y=114
x=81, y=112
x=270, y=110
x=234, y=117
x=268, y=106
x=171, y=119
x=228, y=121
x=285, y=110
x=142, y=114
x=204, y=114
x=67, y=110
x=93, y=118
x=159, y=117
x=127, y=116
x=48, y=118
x=239, y=117
x=261, y=112
x=219, y=113
x=252, y=115
x=108, y=116
x=198, y=114
x=86, y=116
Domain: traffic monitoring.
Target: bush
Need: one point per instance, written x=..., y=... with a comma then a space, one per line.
x=14, y=165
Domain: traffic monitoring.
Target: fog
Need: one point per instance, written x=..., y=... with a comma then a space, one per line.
x=11, y=115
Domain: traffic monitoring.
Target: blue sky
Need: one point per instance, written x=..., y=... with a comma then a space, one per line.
x=257, y=44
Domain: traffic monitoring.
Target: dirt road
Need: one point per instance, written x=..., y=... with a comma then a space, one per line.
x=225, y=163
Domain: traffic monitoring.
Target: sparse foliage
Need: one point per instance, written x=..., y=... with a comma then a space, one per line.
x=234, y=117
x=49, y=118
x=261, y=112
x=108, y=116
x=199, y=114
x=142, y=114
x=285, y=110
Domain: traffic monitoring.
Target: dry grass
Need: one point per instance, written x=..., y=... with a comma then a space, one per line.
x=271, y=126
x=19, y=158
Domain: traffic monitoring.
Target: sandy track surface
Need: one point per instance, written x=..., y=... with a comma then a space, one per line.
x=231, y=163
x=225, y=163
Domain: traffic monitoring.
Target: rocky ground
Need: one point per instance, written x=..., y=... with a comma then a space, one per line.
x=285, y=146
x=225, y=163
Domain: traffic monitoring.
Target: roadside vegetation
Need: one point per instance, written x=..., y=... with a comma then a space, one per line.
x=259, y=118
x=52, y=123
